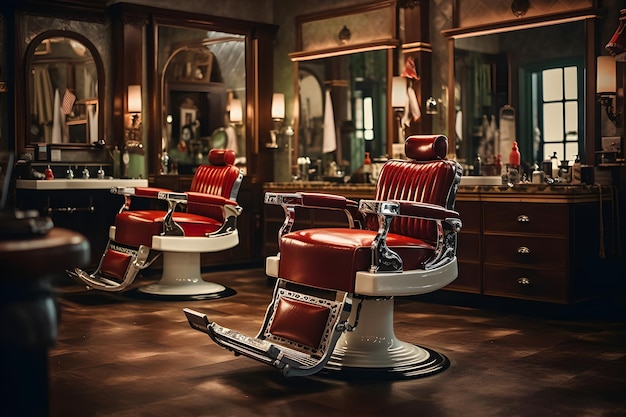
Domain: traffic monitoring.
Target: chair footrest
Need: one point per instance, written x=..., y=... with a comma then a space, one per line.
x=290, y=361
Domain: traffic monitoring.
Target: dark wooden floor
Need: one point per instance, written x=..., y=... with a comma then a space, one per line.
x=122, y=355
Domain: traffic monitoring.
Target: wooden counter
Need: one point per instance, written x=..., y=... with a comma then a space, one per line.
x=532, y=242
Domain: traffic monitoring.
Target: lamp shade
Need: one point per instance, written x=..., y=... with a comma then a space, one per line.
x=236, y=111
x=134, y=99
x=398, y=92
x=606, y=79
x=278, y=106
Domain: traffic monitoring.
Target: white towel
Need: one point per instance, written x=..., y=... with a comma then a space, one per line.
x=329, y=143
x=56, y=118
x=92, y=118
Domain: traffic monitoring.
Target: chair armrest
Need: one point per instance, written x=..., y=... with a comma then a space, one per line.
x=412, y=209
x=147, y=192
x=128, y=192
x=310, y=200
x=386, y=260
x=201, y=198
x=289, y=202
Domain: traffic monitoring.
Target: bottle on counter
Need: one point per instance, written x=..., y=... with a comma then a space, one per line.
x=165, y=162
x=115, y=155
x=477, y=165
x=514, y=164
x=576, y=171
x=499, y=164
x=48, y=173
x=367, y=168
x=555, y=165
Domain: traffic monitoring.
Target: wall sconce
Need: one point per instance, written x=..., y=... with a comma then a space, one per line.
x=398, y=102
x=236, y=111
x=278, y=116
x=606, y=86
x=134, y=108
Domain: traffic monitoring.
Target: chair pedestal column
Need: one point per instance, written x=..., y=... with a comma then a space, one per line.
x=374, y=350
x=182, y=277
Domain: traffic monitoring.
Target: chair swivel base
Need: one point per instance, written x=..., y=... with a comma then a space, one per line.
x=182, y=277
x=372, y=351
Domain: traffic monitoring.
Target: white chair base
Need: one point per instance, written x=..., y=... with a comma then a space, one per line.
x=373, y=348
x=182, y=277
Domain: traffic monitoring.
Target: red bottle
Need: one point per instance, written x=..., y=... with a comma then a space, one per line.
x=514, y=156
x=49, y=174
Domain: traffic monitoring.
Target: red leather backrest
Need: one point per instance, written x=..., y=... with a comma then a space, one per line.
x=221, y=178
x=427, y=177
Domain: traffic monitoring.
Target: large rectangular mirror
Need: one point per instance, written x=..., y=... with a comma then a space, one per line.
x=524, y=85
x=203, y=94
x=350, y=90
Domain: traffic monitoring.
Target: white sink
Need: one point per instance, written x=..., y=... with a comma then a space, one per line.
x=80, y=184
x=483, y=180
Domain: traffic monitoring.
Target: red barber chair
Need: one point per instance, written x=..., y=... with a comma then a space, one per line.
x=207, y=224
x=332, y=308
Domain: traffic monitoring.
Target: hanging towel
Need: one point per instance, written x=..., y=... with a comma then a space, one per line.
x=231, y=139
x=330, y=135
x=92, y=119
x=56, y=118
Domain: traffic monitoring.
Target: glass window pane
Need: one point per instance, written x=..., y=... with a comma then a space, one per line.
x=553, y=122
x=571, y=83
x=571, y=116
x=571, y=150
x=553, y=84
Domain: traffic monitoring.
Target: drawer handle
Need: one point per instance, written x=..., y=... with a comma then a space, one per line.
x=523, y=250
x=523, y=281
x=522, y=218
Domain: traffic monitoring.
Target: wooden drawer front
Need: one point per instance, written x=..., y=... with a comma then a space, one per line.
x=468, y=279
x=543, y=252
x=468, y=247
x=526, y=283
x=469, y=212
x=526, y=218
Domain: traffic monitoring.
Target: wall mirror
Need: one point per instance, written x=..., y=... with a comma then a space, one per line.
x=203, y=94
x=64, y=89
x=351, y=90
x=523, y=85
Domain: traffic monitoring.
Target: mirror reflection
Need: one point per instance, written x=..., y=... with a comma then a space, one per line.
x=203, y=94
x=63, y=92
x=525, y=86
x=350, y=92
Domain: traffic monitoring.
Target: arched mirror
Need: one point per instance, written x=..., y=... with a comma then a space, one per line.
x=64, y=89
x=203, y=95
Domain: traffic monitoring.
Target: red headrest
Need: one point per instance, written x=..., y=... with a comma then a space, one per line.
x=426, y=148
x=221, y=157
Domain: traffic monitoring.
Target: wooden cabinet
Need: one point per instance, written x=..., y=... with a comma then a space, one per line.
x=546, y=246
x=543, y=244
x=469, y=248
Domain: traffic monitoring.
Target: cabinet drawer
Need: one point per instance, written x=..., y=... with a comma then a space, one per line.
x=526, y=283
x=526, y=218
x=469, y=211
x=468, y=247
x=468, y=279
x=541, y=252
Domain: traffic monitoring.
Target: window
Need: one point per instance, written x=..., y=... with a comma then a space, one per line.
x=556, y=110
